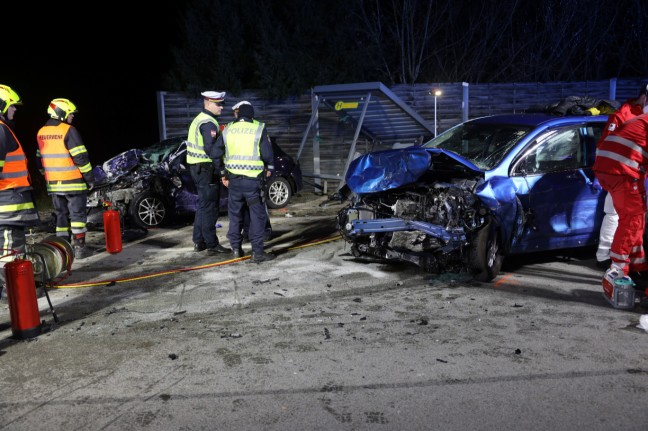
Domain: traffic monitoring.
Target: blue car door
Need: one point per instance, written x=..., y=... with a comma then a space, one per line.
x=563, y=204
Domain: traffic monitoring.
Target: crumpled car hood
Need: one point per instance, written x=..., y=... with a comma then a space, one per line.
x=384, y=170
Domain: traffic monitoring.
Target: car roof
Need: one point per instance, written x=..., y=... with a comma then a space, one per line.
x=534, y=120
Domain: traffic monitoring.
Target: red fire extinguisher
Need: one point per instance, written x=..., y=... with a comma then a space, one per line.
x=21, y=295
x=112, y=230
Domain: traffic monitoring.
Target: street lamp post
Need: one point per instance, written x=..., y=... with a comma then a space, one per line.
x=437, y=93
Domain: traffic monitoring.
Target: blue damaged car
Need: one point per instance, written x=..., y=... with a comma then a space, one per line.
x=485, y=189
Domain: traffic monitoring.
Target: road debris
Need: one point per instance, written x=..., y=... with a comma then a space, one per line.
x=643, y=322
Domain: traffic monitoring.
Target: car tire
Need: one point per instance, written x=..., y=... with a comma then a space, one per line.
x=148, y=210
x=485, y=257
x=278, y=192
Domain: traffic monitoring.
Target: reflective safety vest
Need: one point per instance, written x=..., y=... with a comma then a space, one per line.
x=195, y=144
x=61, y=173
x=242, y=155
x=16, y=202
x=15, y=172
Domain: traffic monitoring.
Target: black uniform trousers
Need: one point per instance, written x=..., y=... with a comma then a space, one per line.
x=204, y=228
x=246, y=191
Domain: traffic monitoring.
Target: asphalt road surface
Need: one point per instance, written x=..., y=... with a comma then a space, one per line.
x=159, y=337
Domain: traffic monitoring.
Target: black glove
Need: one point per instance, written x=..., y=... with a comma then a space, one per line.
x=90, y=186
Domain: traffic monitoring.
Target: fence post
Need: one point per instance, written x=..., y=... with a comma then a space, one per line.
x=464, y=101
x=613, y=82
x=162, y=126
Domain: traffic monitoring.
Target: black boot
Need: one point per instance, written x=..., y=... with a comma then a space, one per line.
x=80, y=249
x=261, y=257
x=237, y=252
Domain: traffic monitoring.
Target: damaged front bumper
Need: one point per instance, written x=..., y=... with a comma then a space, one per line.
x=429, y=246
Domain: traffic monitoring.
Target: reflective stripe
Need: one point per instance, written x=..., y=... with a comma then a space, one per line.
x=12, y=157
x=16, y=207
x=59, y=186
x=233, y=166
x=17, y=216
x=14, y=174
x=79, y=149
x=619, y=158
x=54, y=155
x=627, y=143
x=619, y=256
x=62, y=169
x=85, y=168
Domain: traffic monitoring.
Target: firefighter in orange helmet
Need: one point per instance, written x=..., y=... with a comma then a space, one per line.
x=64, y=160
x=17, y=208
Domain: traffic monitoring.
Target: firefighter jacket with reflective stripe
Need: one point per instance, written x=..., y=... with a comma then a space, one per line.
x=628, y=110
x=16, y=201
x=626, y=151
x=242, y=154
x=196, y=141
x=15, y=172
x=63, y=158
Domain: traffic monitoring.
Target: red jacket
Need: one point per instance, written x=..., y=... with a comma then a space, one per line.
x=626, y=151
x=625, y=112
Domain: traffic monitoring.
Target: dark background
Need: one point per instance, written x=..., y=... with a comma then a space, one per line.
x=105, y=57
x=110, y=58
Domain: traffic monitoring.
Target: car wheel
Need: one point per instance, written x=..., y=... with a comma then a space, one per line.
x=485, y=257
x=278, y=192
x=148, y=210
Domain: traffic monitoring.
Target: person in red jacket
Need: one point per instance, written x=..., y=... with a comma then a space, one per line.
x=630, y=109
x=620, y=167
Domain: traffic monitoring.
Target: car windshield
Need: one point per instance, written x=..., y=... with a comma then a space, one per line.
x=159, y=152
x=485, y=145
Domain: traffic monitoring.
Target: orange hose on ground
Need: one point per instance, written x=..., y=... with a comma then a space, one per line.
x=193, y=268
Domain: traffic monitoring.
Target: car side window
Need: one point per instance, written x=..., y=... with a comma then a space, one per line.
x=559, y=150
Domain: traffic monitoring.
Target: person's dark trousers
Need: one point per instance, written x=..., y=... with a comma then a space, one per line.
x=12, y=239
x=246, y=223
x=70, y=211
x=246, y=191
x=204, y=228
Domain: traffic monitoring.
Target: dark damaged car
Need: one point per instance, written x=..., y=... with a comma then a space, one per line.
x=150, y=186
x=487, y=188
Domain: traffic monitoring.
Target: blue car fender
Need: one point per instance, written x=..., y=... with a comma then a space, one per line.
x=499, y=195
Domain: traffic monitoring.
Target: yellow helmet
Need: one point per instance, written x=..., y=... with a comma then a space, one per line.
x=8, y=97
x=61, y=108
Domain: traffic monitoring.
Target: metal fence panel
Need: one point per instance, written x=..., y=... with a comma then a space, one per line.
x=287, y=119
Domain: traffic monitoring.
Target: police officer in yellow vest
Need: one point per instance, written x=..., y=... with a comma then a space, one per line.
x=246, y=212
x=246, y=152
x=63, y=159
x=17, y=208
x=203, y=132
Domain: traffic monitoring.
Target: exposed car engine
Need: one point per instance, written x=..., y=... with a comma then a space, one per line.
x=427, y=225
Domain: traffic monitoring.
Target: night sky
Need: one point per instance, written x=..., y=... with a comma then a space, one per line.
x=109, y=63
